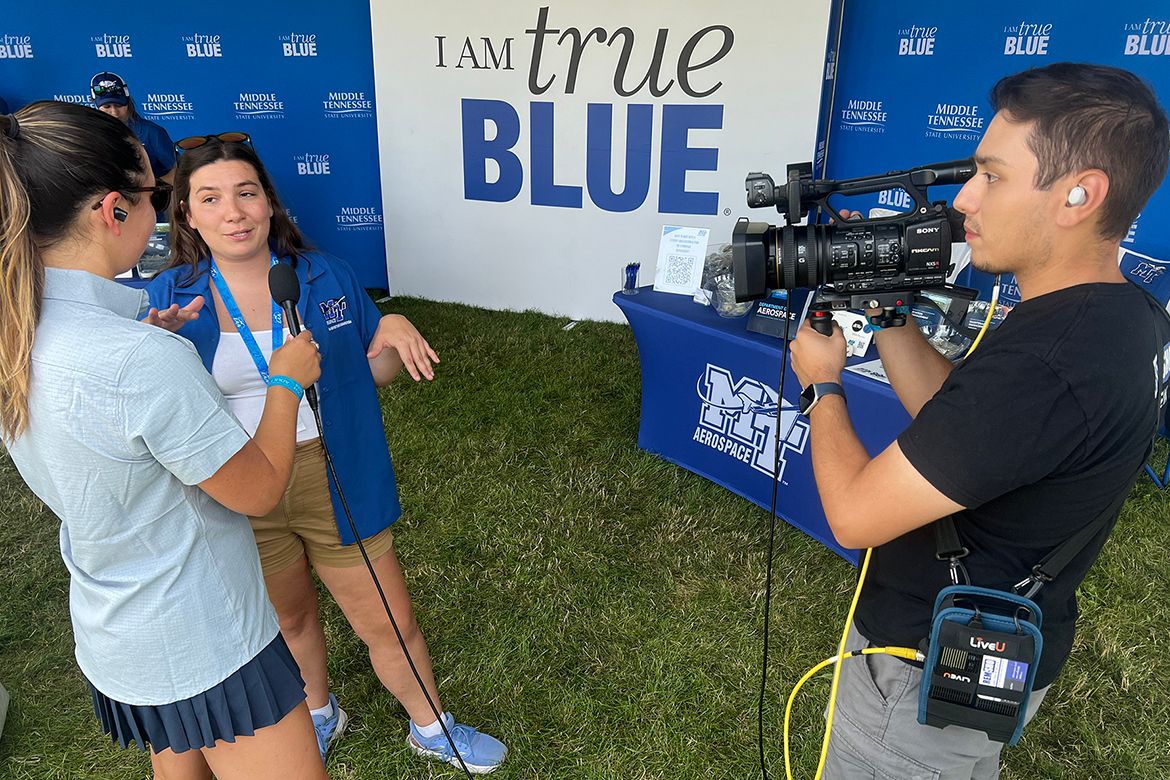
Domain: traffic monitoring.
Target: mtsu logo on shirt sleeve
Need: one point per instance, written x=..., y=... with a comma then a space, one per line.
x=333, y=310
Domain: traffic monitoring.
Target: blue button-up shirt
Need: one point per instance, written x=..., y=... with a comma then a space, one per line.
x=160, y=150
x=343, y=319
x=165, y=593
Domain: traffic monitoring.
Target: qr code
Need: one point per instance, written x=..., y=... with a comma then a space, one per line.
x=678, y=269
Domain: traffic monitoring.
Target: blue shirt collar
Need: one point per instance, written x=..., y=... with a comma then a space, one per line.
x=76, y=286
x=306, y=269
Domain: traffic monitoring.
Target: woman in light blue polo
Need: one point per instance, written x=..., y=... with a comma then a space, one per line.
x=228, y=229
x=173, y=630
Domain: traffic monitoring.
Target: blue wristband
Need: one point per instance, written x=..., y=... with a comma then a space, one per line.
x=280, y=380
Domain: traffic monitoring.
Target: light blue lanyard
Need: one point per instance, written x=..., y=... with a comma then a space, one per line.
x=242, y=327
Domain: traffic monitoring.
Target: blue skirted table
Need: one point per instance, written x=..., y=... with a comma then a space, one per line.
x=709, y=404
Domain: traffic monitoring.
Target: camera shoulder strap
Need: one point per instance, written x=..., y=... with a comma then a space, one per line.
x=948, y=547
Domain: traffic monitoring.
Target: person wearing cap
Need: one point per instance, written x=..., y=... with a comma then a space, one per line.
x=111, y=96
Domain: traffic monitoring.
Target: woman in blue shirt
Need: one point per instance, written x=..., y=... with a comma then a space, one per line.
x=173, y=631
x=229, y=228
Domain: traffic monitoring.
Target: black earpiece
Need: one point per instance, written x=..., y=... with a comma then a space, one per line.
x=120, y=214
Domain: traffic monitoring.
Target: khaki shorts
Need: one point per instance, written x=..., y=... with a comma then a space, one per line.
x=303, y=522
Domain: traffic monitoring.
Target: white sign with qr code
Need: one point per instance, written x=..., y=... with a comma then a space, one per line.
x=680, y=259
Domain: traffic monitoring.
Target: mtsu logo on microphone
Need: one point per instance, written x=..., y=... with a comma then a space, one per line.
x=739, y=419
x=334, y=312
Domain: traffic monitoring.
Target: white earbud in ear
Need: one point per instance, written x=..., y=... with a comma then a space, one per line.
x=1076, y=196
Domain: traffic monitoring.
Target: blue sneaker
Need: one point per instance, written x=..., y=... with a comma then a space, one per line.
x=481, y=752
x=329, y=729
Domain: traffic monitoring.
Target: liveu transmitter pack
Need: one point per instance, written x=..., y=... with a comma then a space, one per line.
x=983, y=652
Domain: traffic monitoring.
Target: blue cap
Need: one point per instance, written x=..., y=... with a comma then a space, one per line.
x=108, y=89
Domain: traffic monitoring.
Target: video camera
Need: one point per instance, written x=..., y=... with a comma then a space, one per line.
x=856, y=263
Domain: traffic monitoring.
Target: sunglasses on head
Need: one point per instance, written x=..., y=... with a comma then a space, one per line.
x=109, y=89
x=160, y=195
x=195, y=141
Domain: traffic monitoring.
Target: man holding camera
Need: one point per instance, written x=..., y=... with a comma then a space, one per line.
x=1038, y=436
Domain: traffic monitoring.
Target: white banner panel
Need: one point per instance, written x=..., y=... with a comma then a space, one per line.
x=529, y=152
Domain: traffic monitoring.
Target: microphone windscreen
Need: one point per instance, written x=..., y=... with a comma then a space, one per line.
x=283, y=284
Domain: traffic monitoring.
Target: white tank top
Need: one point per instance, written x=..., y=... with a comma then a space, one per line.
x=240, y=382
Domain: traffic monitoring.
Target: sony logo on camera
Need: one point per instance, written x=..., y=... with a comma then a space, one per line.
x=915, y=41
x=1027, y=38
x=1150, y=37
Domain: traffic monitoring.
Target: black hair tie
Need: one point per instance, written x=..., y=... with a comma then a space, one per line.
x=12, y=130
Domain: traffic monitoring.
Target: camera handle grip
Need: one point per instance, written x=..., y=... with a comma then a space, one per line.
x=821, y=321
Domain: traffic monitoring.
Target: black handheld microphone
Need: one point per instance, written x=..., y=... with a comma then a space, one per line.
x=286, y=291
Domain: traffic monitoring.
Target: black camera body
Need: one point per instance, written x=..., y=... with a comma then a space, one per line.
x=855, y=263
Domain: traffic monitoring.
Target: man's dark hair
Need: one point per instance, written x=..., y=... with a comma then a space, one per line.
x=1092, y=116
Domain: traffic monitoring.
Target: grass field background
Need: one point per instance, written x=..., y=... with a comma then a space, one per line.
x=595, y=607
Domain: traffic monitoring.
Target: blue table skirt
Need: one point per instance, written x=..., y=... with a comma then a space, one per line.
x=709, y=405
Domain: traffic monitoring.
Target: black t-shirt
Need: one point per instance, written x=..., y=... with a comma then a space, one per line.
x=1043, y=430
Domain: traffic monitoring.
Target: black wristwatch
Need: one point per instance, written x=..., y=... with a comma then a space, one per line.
x=812, y=395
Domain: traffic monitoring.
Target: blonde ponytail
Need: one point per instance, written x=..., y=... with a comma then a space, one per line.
x=22, y=280
x=54, y=157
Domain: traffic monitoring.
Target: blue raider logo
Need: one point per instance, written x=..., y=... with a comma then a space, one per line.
x=739, y=418
x=1146, y=270
x=334, y=312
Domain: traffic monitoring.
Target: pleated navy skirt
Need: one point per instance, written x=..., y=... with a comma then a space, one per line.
x=259, y=694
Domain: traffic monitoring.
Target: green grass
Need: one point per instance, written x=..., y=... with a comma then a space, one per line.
x=597, y=608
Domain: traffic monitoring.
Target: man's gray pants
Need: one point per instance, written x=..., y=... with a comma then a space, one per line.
x=876, y=734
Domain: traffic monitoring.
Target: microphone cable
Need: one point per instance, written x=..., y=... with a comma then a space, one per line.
x=777, y=439
x=294, y=327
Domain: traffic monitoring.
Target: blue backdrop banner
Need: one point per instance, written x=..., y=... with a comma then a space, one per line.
x=299, y=81
x=913, y=77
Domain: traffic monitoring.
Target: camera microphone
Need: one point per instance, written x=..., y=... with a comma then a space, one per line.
x=286, y=291
x=953, y=172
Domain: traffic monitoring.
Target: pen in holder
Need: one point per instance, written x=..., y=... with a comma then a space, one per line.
x=630, y=278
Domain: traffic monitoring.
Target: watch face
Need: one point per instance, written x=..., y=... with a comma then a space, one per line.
x=806, y=398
